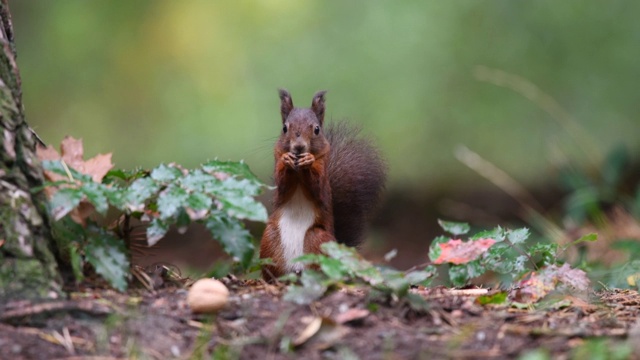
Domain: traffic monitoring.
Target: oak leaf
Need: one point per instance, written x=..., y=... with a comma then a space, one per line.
x=71, y=153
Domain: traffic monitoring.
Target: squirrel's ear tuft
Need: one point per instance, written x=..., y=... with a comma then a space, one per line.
x=317, y=105
x=286, y=104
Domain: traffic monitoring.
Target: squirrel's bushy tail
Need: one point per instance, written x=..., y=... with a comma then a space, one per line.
x=357, y=174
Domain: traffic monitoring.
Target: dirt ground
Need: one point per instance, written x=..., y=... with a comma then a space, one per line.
x=257, y=324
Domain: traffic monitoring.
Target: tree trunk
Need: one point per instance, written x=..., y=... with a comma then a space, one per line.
x=28, y=267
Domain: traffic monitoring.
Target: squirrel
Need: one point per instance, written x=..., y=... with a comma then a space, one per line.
x=328, y=182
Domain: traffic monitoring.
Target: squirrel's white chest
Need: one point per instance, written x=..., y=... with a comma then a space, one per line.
x=296, y=218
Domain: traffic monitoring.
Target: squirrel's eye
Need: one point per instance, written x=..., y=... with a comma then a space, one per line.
x=316, y=130
x=284, y=128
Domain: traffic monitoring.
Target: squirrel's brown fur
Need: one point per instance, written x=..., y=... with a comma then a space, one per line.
x=328, y=183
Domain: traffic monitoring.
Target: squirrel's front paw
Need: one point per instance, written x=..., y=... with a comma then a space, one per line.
x=289, y=159
x=305, y=160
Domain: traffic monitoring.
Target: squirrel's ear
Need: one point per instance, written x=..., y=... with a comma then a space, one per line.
x=286, y=104
x=317, y=105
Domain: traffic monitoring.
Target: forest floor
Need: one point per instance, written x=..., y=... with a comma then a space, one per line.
x=98, y=323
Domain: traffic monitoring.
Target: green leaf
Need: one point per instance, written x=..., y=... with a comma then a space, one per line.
x=198, y=181
x=586, y=238
x=398, y=285
x=235, y=239
x=458, y=275
x=308, y=259
x=500, y=258
x=156, y=230
x=139, y=192
x=115, y=196
x=239, y=187
x=333, y=268
x=75, y=258
x=497, y=234
x=55, y=166
x=107, y=255
x=547, y=252
x=353, y=262
x=312, y=288
x=64, y=201
x=421, y=277
x=244, y=207
x=230, y=167
x=455, y=228
x=165, y=174
x=497, y=298
x=67, y=233
x=119, y=175
x=171, y=200
x=96, y=196
x=417, y=302
x=518, y=236
x=434, y=248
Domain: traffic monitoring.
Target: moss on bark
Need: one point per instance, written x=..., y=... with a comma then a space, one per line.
x=27, y=265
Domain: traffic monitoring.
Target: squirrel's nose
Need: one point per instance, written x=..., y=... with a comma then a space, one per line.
x=298, y=149
x=298, y=134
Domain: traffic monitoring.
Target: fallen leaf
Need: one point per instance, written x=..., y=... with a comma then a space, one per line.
x=71, y=153
x=351, y=315
x=457, y=252
x=497, y=298
x=537, y=285
x=321, y=333
x=308, y=332
x=575, y=278
x=98, y=166
x=532, y=288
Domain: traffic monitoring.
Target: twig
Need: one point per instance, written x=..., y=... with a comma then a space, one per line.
x=547, y=103
x=509, y=185
x=419, y=266
x=66, y=169
x=58, y=306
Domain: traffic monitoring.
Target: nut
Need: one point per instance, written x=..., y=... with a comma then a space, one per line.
x=207, y=296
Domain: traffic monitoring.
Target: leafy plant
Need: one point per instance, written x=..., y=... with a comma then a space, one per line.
x=218, y=194
x=342, y=265
x=504, y=251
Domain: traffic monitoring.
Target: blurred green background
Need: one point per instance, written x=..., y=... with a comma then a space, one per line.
x=163, y=81
x=530, y=86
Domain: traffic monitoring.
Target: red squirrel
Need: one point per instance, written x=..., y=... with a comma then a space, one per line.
x=328, y=182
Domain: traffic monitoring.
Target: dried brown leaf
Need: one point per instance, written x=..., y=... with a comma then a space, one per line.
x=72, y=152
x=351, y=315
x=98, y=166
x=311, y=329
x=322, y=333
x=537, y=285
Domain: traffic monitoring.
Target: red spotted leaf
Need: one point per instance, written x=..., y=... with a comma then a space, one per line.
x=461, y=252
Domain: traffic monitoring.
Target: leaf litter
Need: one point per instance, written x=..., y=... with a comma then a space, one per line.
x=257, y=324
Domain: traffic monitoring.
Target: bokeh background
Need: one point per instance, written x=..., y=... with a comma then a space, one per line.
x=530, y=86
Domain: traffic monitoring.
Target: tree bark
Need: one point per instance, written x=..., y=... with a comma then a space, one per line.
x=28, y=267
